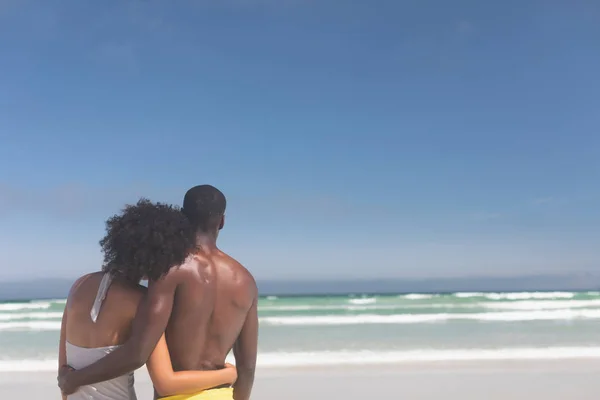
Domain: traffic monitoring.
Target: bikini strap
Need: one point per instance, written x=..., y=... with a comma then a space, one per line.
x=100, y=296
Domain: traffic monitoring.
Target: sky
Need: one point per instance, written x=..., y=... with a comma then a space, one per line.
x=353, y=139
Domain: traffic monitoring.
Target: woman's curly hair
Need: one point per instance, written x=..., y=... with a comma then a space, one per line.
x=145, y=240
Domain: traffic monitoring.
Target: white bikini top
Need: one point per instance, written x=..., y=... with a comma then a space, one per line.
x=120, y=388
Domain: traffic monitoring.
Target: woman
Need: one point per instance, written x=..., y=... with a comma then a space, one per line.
x=143, y=242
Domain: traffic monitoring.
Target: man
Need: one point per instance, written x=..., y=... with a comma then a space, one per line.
x=207, y=307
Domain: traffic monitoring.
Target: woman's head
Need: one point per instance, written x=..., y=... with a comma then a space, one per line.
x=145, y=240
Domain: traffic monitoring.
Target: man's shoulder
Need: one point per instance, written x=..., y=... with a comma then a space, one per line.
x=235, y=264
x=247, y=275
x=202, y=266
x=192, y=269
x=243, y=276
x=181, y=272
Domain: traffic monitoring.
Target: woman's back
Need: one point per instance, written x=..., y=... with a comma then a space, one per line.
x=99, y=314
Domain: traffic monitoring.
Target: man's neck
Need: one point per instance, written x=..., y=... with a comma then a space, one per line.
x=206, y=241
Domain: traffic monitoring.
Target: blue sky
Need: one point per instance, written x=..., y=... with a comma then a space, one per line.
x=352, y=139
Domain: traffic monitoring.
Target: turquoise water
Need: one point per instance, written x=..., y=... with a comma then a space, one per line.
x=351, y=329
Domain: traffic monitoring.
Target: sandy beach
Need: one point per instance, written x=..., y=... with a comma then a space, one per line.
x=560, y=379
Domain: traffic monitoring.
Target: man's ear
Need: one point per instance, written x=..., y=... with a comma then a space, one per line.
x=222, y=224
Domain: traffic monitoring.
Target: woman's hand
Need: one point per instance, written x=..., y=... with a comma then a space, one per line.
x=232, y=371
x=64, y=384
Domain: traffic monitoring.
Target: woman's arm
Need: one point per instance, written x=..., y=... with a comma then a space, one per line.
x=62, y=345
x=168, y=382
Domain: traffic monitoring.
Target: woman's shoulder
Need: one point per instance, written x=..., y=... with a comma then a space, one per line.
x=87, y=285
x=84, y=278
x=81, y=284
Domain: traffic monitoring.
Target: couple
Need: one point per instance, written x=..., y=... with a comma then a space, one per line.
x=200, y=303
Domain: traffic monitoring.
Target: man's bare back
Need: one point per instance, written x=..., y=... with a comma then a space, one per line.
x=210, y=308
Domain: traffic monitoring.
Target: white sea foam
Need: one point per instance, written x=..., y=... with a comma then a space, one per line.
x=332, y=358
x=30, y=326
x=417, y=296
x=353, y=319
x=28, y=365
x=530, y=295
x=272, y=297
x=32, y=315
x=516, y=295
x=369, y=300
x=366, y=307
x=429, y=355
x=41, y=305
x=567, y=314
x=540, y=304
x=398, y=357
x=468, y=295
x=297, y=308
x=348, y=307
x=514, y=316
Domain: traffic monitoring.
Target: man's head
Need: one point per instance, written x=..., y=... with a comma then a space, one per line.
x=204, y=205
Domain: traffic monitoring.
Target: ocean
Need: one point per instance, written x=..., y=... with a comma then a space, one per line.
x=362, y=329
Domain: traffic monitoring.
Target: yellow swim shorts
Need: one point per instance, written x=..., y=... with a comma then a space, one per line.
x=211, y=394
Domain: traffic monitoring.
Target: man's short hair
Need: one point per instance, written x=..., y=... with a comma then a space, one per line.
x=204, y=205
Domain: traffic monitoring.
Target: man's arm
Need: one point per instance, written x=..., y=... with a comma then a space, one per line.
x=149, y=324
x=244, y=351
